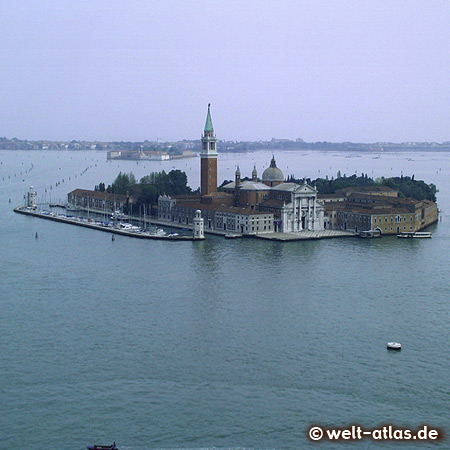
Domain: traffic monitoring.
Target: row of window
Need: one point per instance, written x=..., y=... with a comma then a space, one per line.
x=398, y=219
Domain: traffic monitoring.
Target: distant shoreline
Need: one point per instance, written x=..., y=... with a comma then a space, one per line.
x=185, y=146
x=363, y=150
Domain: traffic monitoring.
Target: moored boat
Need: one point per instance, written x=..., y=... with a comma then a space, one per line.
x=370, y=234
x=414, y=234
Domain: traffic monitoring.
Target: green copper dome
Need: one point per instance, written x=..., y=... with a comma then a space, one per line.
x=273, y=173
x=208, y=124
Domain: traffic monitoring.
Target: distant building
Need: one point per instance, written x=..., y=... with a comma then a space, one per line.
x=138, y=155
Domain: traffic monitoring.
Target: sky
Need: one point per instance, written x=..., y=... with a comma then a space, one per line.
x=353, y=70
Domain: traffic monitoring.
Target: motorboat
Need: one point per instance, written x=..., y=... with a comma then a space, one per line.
x=157, y=232
x=118, y=215
x=232, y=236
x=394, y=346
x=103, y=447
x=414, y=234
x=370, y=234
x=129, y=227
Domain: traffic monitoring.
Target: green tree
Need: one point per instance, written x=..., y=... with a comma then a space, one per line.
x=178, y=183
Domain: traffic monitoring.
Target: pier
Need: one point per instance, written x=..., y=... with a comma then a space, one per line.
x=100, y=227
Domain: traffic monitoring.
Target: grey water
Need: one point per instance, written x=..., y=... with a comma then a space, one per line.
x=217, y=344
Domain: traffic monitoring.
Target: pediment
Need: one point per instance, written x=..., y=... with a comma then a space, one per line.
x=305, y=189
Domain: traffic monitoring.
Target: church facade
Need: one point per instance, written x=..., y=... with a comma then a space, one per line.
x=246, y=207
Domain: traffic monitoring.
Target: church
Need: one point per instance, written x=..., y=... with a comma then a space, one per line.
x=247, y=207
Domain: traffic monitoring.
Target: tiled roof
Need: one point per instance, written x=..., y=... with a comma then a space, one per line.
x=248, y=186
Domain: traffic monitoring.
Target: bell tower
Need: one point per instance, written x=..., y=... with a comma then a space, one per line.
x=208, y=158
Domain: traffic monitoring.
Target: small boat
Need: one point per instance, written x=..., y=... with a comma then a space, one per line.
x=157, y=232
x=370, y=234
x=129, y=227
x=394, y=346
x=414, y=234
x=118, y=215
x=72, y=208
x=103, y=447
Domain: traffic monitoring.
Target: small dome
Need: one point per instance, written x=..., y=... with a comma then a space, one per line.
x=272, y=173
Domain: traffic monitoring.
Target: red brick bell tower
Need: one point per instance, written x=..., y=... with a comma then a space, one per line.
x=208, y=158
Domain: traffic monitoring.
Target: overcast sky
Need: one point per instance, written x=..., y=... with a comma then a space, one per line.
x=134, y=70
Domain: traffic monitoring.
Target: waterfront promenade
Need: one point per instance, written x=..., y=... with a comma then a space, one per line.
x=299, y=236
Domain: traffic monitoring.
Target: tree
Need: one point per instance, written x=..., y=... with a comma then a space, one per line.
x=123, y=183
x=178, y=183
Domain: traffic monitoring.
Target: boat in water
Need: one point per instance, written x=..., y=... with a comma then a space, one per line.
x=157, y=232
x=129, y=227
x=367, y=234
x=118, y=215
x=103, y=447
x=414, y=235
x=394, y=346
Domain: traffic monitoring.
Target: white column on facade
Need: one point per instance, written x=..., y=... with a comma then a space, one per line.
x=299, y=222
x=294, y=215
x=314, y=214
x=308, y=217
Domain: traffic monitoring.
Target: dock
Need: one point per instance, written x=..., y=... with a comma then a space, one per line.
x=305, y=235
x=99, y=227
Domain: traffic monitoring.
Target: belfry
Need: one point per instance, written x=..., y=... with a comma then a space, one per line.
x=208, y=158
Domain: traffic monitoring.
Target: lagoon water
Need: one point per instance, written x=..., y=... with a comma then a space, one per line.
x=217, y=344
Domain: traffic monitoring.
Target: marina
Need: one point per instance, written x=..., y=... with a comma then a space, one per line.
x=122, y=229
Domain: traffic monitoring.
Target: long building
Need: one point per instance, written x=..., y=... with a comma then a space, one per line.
x=357, y=209
x=98, y=201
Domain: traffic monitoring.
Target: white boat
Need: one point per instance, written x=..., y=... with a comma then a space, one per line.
x=414, y=234
x=128, y=227
x=156, y=232
x=370, y=234
x=394, y=346
x=70, y=207
x=118, y=215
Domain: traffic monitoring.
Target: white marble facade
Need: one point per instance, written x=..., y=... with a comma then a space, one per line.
x=304, y=212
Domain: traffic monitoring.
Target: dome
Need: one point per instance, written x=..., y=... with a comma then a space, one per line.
x=273, y=173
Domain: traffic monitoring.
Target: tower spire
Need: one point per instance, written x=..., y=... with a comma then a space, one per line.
x=208, y=157
x=208, y=124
